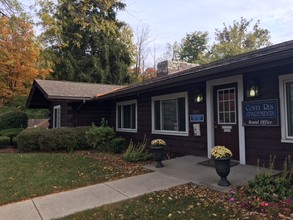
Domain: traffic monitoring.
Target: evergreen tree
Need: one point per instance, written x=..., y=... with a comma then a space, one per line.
x=84, y=38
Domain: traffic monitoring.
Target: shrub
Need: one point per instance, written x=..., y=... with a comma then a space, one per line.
x=117, y=145
x=4, y=141
x=267, y=193
x=11, y=133
x=269, y=187
x=99, y=138
x=14, y=142
x=137, y=152
x=80, y=134
x=64, y=139
x=28, y=139
x=52, y=139
x=13, y=120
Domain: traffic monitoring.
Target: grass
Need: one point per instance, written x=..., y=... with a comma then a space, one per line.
x=24, y=176
x=181, y=202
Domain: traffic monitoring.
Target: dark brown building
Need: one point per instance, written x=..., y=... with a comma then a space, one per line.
x=244, y=102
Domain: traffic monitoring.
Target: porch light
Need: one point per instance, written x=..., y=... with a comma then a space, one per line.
x=198, y=97
x=252, y=89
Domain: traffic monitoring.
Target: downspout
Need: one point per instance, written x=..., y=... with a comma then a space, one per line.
x=76, y=112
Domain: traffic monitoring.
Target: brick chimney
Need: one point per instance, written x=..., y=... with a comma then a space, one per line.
x=169, y=67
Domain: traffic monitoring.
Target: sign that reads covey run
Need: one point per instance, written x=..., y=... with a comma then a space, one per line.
x=261, y=113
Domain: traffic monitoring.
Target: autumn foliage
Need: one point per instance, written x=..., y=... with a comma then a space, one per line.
x=19, y=56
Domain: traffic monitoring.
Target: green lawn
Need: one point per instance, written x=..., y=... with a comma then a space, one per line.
x=24, y=176
x=182, y=202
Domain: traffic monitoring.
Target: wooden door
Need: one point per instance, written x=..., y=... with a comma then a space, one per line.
x=226, y=118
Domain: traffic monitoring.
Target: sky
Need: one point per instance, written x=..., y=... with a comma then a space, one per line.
x=171, y=20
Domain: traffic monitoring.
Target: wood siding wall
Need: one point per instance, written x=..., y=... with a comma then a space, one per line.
x=187, y=144
x=261, y=143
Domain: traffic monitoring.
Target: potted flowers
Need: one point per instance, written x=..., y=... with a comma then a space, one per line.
x=222, y=156
x=157, y=149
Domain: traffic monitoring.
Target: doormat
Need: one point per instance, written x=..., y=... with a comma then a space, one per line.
x=210, y=163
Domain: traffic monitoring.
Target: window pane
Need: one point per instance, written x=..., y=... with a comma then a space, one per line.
x=169, y=115
x=290, y=108
x=226, y=107
x=232, y=117
x=181, y=114
x=119, y=116
x=221, y=117
x=133, y=116
x=126, y=116
x=157, y=115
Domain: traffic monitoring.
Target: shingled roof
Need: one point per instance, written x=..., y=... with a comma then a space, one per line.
x=53, y=89
x=47, y=90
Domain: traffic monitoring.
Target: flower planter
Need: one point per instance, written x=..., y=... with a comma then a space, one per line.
x=222, y=166
x=158, y=155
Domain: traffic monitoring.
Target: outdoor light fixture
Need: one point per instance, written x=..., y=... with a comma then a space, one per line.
x=198, y=97
x=252, y=89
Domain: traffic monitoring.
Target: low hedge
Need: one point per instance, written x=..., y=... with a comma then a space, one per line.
x=28, y=139
x=4, y=141
x=11, y=133
x=117, y=145
x=13, y=120
x=52, y=139
x=99, y=138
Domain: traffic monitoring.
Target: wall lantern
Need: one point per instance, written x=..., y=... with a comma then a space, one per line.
x=252, y=89
x=198, y=97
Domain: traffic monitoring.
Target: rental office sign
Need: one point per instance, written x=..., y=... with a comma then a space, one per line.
x=260, y=113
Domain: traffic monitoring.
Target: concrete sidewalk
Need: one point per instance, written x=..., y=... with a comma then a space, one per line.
x=69, y=202
x=187, y=168
x=177, y=171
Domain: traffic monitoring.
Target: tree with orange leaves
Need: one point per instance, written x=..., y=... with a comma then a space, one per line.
x=19, y=58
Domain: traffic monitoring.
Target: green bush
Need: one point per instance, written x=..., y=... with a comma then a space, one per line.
x=28, y=139
x=4, y=141
x=52, y=139
x=11, y=133
x=270, y=187
x=117, y=145
x=99, y=138
x=137, y=152
x=13, y=120
x=14, y=142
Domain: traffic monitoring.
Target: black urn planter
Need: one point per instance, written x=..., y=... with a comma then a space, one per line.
x=222, y=166
x=158, y=155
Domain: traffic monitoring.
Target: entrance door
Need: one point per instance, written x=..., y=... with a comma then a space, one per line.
x=226, y=120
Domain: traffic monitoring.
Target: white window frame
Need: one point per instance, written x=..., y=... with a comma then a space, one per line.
x=235, y=108
x=168, y=97
x=57, y=117
x=283, y=80
x=130, y=102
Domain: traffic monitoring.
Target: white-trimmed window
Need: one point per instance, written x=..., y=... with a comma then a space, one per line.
x=170, y=114
x=226, y=99
x=56, y=116
x=126, y=116
x=286, y=107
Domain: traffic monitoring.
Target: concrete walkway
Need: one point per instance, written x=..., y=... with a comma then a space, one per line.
x=177, y=171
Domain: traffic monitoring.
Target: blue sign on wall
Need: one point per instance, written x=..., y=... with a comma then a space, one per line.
x=197, y=118
x=261, y=113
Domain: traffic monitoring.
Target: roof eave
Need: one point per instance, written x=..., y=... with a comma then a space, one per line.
x=73, y=98
x=210, y=70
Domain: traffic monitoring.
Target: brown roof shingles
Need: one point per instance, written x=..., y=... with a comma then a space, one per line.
x=74, y=90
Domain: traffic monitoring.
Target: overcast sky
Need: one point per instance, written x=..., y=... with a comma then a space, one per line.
x=170, y=20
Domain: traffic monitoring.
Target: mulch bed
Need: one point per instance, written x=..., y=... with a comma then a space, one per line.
x=8, y=150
